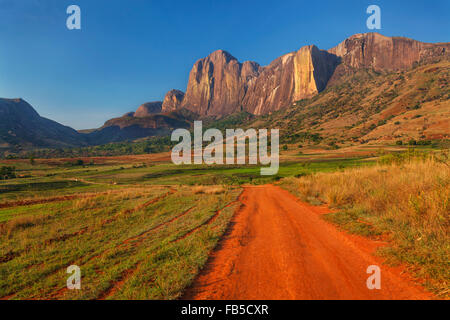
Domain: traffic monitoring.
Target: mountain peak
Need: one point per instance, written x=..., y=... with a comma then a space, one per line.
x=219, y=54
x=148, y=109
x=172, y=100
x=21, y=125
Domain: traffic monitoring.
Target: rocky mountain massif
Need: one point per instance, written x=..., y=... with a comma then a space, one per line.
x=220, y=86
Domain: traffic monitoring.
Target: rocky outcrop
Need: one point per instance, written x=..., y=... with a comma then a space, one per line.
x=147, y=109
x=218, y=83
x=375, y=51
x=172, y=100
x=294, y=76
x=381, y=53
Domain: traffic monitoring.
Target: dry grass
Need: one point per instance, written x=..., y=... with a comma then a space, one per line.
x=409, y=203
x=20, y=223
x=208, y=189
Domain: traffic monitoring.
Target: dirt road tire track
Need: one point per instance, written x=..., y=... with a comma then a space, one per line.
x=280, y=248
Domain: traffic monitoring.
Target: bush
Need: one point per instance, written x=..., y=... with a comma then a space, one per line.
x=416, y=107
x=424, y=143
x=7, y=173
x=399, y=142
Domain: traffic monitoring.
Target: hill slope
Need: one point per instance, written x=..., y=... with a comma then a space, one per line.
x=21, y=127
x=132, y=127
x=368, y=106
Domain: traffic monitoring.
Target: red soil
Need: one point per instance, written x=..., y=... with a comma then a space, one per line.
x=280, y=248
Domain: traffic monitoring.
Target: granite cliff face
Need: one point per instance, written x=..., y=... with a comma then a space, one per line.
x=220, y=85
x=292, y=77
x=380, y=53
x=172, y=100
x=375, y=51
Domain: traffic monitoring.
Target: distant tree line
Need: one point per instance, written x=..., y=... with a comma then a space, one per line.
x=147, y=146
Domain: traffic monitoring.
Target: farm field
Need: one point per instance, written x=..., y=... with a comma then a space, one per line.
x=141, y=227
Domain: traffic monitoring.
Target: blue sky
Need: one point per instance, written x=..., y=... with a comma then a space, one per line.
x=131, y=52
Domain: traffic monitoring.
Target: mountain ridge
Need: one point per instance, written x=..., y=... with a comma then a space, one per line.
x=21, y=126
x=219, y=85
x=215, y=89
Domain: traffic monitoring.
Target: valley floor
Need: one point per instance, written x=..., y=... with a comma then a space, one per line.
x=145, y=229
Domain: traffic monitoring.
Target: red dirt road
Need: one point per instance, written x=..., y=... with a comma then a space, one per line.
x=280, y=248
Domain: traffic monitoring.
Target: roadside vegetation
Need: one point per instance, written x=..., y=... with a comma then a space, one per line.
x=404, y=199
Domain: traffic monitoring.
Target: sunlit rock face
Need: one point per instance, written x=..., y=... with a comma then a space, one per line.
x=292, y=77
x=218, y=83
x=375, y=51
x=172, y=100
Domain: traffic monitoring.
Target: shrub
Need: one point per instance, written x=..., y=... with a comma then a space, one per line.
x=424, y=142
x=7, y=173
